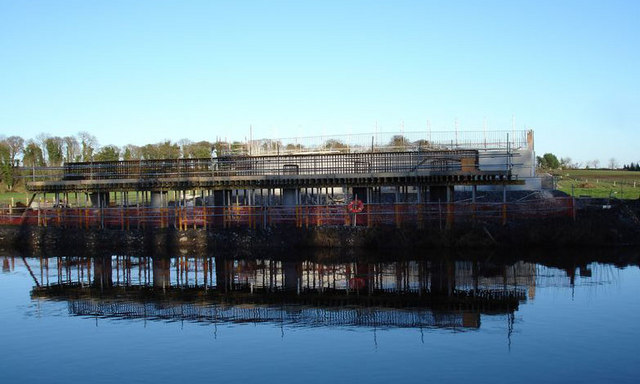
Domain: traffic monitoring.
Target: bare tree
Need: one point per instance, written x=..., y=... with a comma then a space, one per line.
x=613, y=163
x=72, y=148
x=565, y=163
x=16, y=146
x=41, y=140
x=89, y=144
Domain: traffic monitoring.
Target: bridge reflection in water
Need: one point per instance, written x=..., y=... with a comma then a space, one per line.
x=417, y=293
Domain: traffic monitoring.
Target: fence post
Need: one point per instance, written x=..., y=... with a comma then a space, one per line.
x=504, y=213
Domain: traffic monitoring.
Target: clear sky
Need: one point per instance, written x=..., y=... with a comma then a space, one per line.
x=143, y=71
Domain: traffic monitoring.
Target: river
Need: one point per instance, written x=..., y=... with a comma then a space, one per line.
x=562, y=316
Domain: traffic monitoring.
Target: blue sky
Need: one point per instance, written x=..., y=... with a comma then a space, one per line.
x=144, y=71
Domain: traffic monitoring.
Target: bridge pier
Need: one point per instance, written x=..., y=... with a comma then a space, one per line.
x=159, y=199
x=99, y=199
x=102, y=272
x=290, y=197
x=443, y=280
x=441, y=193
x=292, y=275
x=161, y=273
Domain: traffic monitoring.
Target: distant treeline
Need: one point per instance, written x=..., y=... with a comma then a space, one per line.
x=52, y=151
x=632, y=167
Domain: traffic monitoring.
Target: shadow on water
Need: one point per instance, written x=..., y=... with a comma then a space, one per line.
x=305, y=288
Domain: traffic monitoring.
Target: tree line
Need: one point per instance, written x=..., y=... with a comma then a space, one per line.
x=631, y=167
x=549, y=161
x=52, y=151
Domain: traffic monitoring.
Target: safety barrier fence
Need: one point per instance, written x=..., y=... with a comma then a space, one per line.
x=182, y=218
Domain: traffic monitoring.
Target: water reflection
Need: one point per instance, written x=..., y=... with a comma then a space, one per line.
x=552, y=318
x=413, y=293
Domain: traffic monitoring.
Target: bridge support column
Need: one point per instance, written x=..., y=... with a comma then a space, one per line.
x=220, y=201
x=223, y=274
x=161, y=273
x=102, y=272
x=292, y=275
x=443, y=279
x=99, y=199
x=158, y=199
x=423, y=194
x=442, y=193
x=290, y=197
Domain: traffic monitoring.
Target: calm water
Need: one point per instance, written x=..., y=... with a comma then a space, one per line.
x=325, y=319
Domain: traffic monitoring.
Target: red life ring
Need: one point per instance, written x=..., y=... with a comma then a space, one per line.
x=356, y=206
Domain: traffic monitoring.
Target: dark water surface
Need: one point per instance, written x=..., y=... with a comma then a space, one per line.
x=548, y=318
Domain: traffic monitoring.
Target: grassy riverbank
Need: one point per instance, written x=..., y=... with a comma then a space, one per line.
x=599, y=183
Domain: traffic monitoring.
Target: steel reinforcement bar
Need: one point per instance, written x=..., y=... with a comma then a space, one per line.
x=182, y=218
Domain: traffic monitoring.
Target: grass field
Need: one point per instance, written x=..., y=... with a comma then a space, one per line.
x=5, y=197
x=599, y=183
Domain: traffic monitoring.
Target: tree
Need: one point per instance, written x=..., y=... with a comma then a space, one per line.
x=168, y=150
x=398, y=142
x=335, y=144
x=294, y=147
x=132, y=152
x=613, y=163
x=593, y=163
x=88, y=144
x=55, y=154
x=164, y=150
x=32, y=155
x=16, y=146
x=108, y=153
x=548, y=161
x=71, y=148
x=41, y=140
x=423, y=144
x=201, y=149
x=6, y=165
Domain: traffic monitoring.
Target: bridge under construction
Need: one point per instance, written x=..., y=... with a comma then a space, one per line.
x=305, y=185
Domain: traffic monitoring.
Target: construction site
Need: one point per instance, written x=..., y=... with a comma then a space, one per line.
x=411, y=179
